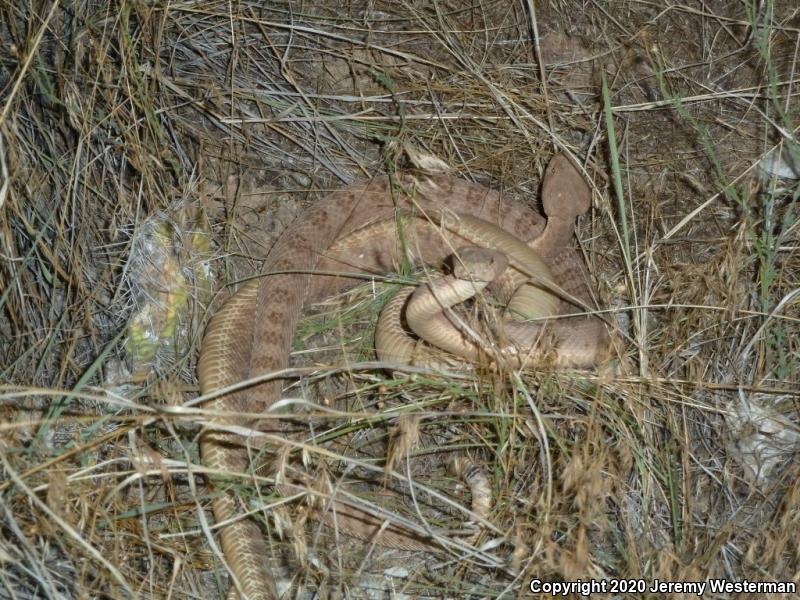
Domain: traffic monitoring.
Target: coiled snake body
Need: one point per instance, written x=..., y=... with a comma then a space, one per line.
x=252, y=333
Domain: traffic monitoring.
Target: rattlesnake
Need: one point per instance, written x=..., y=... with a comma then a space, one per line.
x=252, y=333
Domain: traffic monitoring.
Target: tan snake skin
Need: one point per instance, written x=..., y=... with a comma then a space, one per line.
x=252, y=334
x=571, y=342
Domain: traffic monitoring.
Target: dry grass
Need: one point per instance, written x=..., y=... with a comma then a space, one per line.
x=132, y=135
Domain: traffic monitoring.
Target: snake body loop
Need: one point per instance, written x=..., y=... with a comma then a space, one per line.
x=577, y=343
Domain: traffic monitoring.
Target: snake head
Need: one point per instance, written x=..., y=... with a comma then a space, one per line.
x=565, y=194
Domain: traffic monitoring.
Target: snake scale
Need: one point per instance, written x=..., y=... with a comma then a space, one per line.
x=322, y=252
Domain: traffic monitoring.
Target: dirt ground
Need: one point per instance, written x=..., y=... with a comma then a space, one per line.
x=151, y=154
